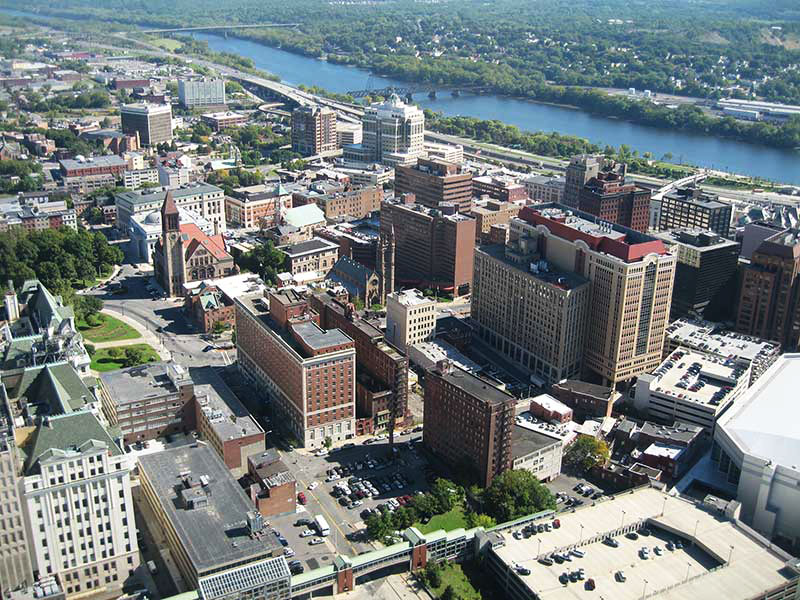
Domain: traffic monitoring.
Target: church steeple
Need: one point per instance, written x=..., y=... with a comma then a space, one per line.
x=170, y=220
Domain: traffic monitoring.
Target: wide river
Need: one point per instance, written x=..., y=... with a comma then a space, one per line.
x=737, y=157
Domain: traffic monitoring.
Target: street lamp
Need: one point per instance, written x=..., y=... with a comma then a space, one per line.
x=688, y=566
x=622, y=520
x=664, y=507
x=644, y=589
x=581, y=540
x=730, y=555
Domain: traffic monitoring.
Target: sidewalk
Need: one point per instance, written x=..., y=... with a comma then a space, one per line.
x=148, y=337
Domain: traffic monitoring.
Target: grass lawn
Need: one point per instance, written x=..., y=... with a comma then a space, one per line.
x=167, y=44
x=452, y=519
x=110, y=330
x=453, y=574
x=102, y=361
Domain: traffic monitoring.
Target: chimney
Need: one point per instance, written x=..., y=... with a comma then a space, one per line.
x=11, y=303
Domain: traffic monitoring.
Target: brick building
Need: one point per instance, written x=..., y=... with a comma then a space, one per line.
x=94, y=165
x=499, y=187
x=209, y=306
x=609, y=197
x=314, y=130
x=274, y=490
x=468, y=423
x=257, y=206
x=585, y=399
x=435, y=181
x=307, y=372
x=353, y=204
x=490, y=213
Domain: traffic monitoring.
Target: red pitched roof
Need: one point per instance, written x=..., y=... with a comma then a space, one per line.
x=192, y=237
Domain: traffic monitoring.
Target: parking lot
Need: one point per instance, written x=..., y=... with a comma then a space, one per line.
x=382, y=481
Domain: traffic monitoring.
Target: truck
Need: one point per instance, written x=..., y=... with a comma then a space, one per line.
x=322, y=525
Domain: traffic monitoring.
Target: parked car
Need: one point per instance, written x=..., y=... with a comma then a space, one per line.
x=301, y=498
x=620, y=576
x=315, y=541
x=306, y=533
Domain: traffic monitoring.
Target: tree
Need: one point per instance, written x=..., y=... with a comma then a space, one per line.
x=480, y=520
x=328, y=442
x=587, y=452
x=516, y=493
x=449, y=593
x=134, y=356
x=87, y=307
x=433, y=574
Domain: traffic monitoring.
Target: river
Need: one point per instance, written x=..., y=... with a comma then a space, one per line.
x=705, y=151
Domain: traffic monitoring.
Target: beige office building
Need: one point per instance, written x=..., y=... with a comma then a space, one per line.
x=530, y=312
x=631, y=275
x=410, y=318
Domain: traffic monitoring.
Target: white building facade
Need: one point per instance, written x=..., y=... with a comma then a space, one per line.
x=194, y=93
x=410, y=318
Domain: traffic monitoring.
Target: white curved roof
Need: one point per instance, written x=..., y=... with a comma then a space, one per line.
x=763, y=422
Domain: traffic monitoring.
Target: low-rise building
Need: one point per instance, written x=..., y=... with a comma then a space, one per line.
x=490, y=213
x=274, y=491
x=547, y=408
x=211, y=301
x=534, y=451
x=410, y=318
x=206, y=200
x=257, y=206
x=148, y=401
x=133, y=180
x=542, y=188
x=223, y=120
x=317, y=255
x=94, y=165
x=350, y=204
x=209, y=522
x=499, y=187
x=586, y=399
x=305, y=219
x=691, y=387
x=359, y=281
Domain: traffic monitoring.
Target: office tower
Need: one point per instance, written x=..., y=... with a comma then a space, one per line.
x=631, y=276
x=610, y=197
x=314, y=130
x=194, y=93
x=348, y=133
x=410, y=318
x=769, y=301
x=693, y=208
x=78, y=505
x=530, y=311
x=151, y=122
x=435, y=181
x=393, y=133
x=308, y=372
x=432, y=249
x=704, y=275
x=468, y=423
x=579, y=171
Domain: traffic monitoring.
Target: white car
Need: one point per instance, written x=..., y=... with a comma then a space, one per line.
x=288, y=552
x=313, y=485
x=333, y=477
x=306, y=533
x=316, y=541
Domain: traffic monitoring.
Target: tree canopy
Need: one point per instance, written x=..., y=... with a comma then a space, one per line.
x=587, y=452
x=516, y=493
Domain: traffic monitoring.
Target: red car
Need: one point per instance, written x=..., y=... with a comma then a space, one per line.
x=301, y=498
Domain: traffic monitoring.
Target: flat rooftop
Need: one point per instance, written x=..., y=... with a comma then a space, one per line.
x=561, y=279
x=136, y=384
x=708, y=337
x=560, y=431
x=698, y=377
x=763, y=421
x=411, y=297
x=524, y=441
x=754, y=568
x=310, y=247
x=476, y=386
x=227, y=416
x=216, y=534
x=318, y=338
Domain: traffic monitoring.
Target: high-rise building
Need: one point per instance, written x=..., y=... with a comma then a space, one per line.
x=151, y=122
x=693, y=208
x=500, y=187
x=314, y=130
x=704, y=274
x=468, y=423
x=431, y=247
x=78, y=505
x=435, y=181
x=530, y=312
x=385, y=259
x=348, y=133
x=769, y=301
x=610, y=197
x=307, y=371
x=579, y=171
x=410, y=318
x=194, y=93
x=393, y=133
x=631, y=275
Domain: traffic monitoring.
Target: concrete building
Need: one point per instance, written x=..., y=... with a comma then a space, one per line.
x=756, y=447
x=133, y=180
x=499, y=187
x=316, y=256
x=199, y=93
x=631, y=276
x=769, y=300
x=224, y=120
x=579, y=171
x=355, y=203
x=151, y=122
x=435, y=181
x=75, y=475
x=536, y=448
x=149, y=401
x=587, y=400
x=257, y=206
x=468, y=423
x=146, y=229
x=712, y=338
x=314, y=130
x=691, y=387
x=393, y=133
x=488, y=213
x=381, y=373
x=721, y=556
x=410, y=318
x=692, y=208
x=431, y=249
x=542, y=188
x=172, y=176
x=210, y=524
x=446, y=152
x=611, y=198
x=184, y=253
x=308, y=372
x=203, y=199
x=348, y=133
x=15, y=562
x=529, y=311
x=704, y=274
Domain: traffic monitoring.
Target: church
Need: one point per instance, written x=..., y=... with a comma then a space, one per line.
x=185, y=253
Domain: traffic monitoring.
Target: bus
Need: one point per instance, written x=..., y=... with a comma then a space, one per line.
x=322, y=525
